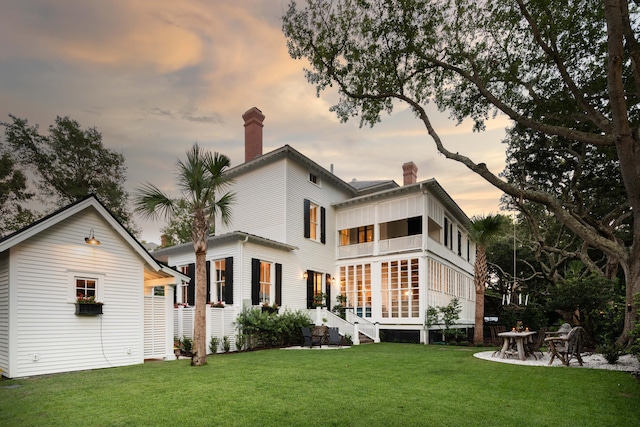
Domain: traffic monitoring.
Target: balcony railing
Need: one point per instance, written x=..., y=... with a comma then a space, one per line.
x=353, y=251
x=400, y=244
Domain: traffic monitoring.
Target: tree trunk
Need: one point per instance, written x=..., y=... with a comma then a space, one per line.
x=480, y=278
x=199, y=356
x=632, y=275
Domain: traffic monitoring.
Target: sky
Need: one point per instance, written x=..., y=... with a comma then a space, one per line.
x=156, y=76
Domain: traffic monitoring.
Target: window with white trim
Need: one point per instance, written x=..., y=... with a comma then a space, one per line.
x=266, y=282
x=86, y=288
x=218, y=281
x=400, y=289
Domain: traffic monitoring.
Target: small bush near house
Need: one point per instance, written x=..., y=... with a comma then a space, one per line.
x=214, y=344
x=186, y=346
x=241, y=342
x=226, y=344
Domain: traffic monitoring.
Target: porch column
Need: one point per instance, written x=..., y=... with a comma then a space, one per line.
x=169, y=313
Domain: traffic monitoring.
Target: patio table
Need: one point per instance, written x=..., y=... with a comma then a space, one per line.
x=519, y=338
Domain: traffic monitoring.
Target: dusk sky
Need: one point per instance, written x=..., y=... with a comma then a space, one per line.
x=156, y=76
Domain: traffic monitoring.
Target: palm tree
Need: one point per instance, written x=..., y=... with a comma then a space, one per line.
x=201, y=179
x=484, y=230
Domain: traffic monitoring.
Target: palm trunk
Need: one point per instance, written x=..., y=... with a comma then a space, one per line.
x=199, y=356
x=200, y=230
x=480, y=279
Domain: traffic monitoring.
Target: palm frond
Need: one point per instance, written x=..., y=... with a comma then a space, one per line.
x=151, y=202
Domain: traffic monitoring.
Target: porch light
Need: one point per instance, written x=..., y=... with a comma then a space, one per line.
x=305, y=275
x=91, y=240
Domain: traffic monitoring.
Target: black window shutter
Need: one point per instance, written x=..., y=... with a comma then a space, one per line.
x=310, y=275
x=191, y=289
x=255, y=281
x=451, y=235
x=208, y=281
x=446, y=232
x=323, y=214
x=327, y=286
x=307, y=219
x=228, y=280
x=459, y=244
x=279, y=284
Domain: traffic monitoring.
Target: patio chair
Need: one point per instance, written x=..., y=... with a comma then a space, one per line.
x=566, y=347
x=334, y=337
x=311, y=339
x=534, y=347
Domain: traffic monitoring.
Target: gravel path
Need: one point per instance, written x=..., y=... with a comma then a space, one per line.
x=627, y=362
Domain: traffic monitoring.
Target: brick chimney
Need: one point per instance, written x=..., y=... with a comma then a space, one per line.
x=253, y=119
x=410, y=173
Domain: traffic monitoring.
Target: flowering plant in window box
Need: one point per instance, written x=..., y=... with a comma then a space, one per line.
x=82, y=299
x=218, y=304
x=180, y=304
x=88, y=305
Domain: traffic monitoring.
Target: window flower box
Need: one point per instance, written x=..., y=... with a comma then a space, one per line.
x=87, y=305
x=88, y=309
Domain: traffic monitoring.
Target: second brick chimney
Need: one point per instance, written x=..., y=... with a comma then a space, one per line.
x=410, y=173
x=253, y=119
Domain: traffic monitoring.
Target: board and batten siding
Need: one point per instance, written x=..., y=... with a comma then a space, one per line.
x=259, y=205
x=51, y=338
x=4, y=313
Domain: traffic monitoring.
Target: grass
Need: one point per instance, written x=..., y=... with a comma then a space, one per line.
x=367, y=385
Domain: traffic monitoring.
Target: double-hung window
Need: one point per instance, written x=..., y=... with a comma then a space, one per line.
x=314, y=221
x=219, y=280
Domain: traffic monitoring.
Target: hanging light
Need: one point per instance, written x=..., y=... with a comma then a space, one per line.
x=91, y=240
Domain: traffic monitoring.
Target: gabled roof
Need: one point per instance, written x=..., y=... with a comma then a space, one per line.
x=87, y=202
x=224, y=238
x=431, y=185
x=288, y=152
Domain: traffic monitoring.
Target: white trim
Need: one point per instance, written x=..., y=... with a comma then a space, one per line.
x=72, y=275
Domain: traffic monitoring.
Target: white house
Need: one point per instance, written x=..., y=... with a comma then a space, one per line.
x=300, y=233
x=47, y=265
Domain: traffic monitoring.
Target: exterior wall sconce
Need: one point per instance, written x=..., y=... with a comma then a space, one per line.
x=305, y=275
x=91, y=240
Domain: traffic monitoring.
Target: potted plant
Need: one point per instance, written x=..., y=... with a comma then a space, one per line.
x=87, y=305
x=273, y=308
x=318, y=299
x=218, y=304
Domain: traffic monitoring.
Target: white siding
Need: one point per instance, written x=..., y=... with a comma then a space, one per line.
x=259, y=205
x=51, y=338
x=4, y=312
x=436, y=211
x=401, y=208
x=355, y=217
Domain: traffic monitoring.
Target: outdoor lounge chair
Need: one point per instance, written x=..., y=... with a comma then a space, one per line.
x=311, y=339
x=334, y=337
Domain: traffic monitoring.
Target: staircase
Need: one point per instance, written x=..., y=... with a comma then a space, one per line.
x=364, y=339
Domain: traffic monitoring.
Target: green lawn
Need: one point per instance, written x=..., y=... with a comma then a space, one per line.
x=367, y=385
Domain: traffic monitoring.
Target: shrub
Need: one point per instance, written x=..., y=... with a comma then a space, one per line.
x=214, y=344
x=241, y=342
x=226, y=344
x=264, y=330
x=186, y=345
